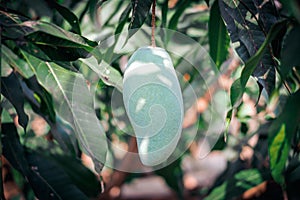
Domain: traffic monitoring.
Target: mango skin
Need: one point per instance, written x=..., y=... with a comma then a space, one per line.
x=153, y=102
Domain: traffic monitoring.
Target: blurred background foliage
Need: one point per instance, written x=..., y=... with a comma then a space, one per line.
x=59, y=72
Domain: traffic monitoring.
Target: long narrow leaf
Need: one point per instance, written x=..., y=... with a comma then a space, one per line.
x=74, y=103
x=12, y=90
x=218, y=36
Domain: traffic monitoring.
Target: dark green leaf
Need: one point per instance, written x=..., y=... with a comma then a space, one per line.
x=13, y=151
x=9, y=24
x=45, y=98
x=218, y=36
x=64, y=134
x=123, y=20
x=293, y=171
x=290, y=51
x=292, y=8
x=67, y=15
x=237, y=185
x=46, y=40
x=254, y=60
x=280, y=136
x=56, y=43
x=140, y=11
x=12, y=90
x=248, y=23
x=54, y=177
x=164, y=13
x=81, y=176
x=251, y=64
x=72, y=166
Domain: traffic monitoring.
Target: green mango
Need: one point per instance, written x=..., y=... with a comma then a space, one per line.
x=153, y=102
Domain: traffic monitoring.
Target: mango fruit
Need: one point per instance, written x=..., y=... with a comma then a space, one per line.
x=153, y=101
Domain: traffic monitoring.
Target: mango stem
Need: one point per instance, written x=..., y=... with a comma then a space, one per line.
x=153, y=44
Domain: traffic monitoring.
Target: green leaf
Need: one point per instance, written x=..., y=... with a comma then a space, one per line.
x=109, y=75
x=218, y=36
x=280, y=136
x=236, y=93
x=248, y=23
x=237, y=185
x=175, y=17
x=16, y=63
x=279, y=150
x=140, y=11
x=290, y=49
x=74, y=103
x=12, y=90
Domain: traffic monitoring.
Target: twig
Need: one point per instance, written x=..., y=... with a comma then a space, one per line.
x=153, y=24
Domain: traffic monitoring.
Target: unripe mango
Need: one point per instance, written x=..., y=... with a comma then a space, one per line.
x=153, y=102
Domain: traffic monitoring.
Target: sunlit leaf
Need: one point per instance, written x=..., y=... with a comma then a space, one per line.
x=16, y=63
x=108, y=74
x=74, y=103
x=280, y=136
